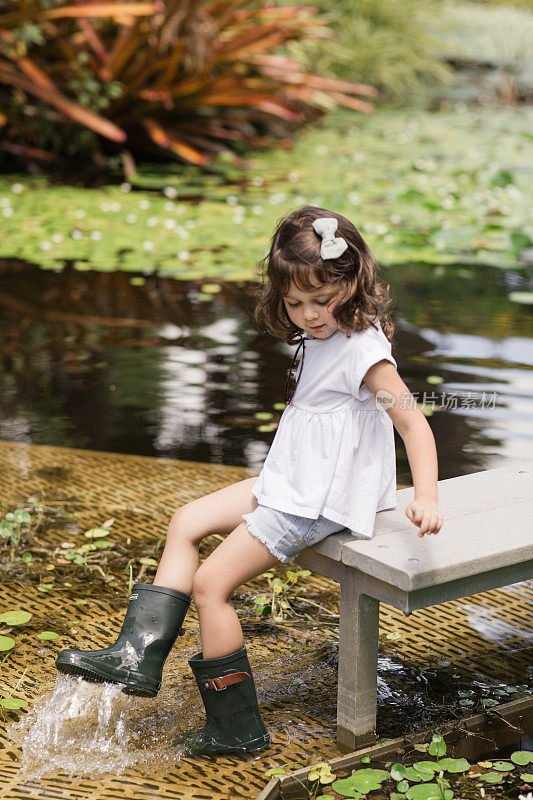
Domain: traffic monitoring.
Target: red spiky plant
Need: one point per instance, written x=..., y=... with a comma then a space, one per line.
x=187, y=78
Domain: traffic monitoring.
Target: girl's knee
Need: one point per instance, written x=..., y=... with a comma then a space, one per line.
x=181, y=526
x=207, y=588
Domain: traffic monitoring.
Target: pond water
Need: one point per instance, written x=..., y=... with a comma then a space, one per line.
x=155, y=366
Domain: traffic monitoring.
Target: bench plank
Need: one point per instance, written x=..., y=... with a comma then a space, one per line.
x=480, y=512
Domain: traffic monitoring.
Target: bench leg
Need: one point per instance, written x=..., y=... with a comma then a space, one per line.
x=358, y=666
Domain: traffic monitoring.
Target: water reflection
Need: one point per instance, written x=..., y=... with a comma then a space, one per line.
x=143, y=364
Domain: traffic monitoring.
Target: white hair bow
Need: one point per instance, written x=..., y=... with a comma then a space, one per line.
x=332, y=246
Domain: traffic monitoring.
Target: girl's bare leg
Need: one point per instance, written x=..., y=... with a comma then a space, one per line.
x=238, y=559
x=217, y=512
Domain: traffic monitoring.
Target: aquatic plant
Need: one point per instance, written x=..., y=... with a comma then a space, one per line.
x=282, y=599
x=438, y=202
x=18, y=528
x=187, y=79
x=416, y=779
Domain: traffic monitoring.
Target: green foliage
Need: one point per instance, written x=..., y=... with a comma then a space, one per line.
x=18, y=526
x=421, y=780
x=435, y=202
x=388, y=44
x=275, y=603
x=186, y=84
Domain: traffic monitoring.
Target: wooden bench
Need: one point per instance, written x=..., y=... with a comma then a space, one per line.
x=486, y=542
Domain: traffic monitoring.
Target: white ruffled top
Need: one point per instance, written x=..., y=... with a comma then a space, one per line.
x=333, y=453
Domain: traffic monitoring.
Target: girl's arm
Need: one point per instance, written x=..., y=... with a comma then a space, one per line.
x=418, y=439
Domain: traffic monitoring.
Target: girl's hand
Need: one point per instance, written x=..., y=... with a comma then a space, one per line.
x=424, y=511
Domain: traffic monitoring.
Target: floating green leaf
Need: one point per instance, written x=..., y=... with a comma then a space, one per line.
x=426, y=766
x=361, y=781
x=15, y=617
x=48, y=635
x=428, y=791
x=502, y=766
x=275, y=771
x=491, y=777
x=97, y=533
x=453, y=764
x=346, y=789
x=397, y=772
x=522, y=757
x=13, y=703
x=6, y=643
x=519, y=241
x=412, y=774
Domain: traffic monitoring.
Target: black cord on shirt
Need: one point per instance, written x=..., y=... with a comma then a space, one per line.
x=289, y=373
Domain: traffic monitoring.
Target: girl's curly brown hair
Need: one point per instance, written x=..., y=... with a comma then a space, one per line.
x=294, y=256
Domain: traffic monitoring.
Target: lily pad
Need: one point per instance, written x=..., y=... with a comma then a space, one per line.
x=428, y=791
x=454, y=764
x=432, y=766
x=397, y=771
x=13, y=703
x=6, y=643
x=48, y=635
x=15, y=617
x=491, y=777
x=413, y=775
x=360, y=782
x=522, y=757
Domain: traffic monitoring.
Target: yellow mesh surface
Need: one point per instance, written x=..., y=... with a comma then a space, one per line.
x=489, y=632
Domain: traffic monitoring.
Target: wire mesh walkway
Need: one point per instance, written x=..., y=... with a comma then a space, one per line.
x=487, y=635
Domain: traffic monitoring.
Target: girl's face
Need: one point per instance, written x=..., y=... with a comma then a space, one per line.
x=311, y=310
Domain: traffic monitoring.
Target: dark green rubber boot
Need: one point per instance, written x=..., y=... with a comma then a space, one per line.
x=234, y=723
x=153, y=621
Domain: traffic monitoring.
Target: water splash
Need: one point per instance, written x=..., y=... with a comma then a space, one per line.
x=92, y=729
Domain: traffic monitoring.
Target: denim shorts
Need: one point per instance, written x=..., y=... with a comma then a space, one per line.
x=286, y=534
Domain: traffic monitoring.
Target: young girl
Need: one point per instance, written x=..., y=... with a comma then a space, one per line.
x=330, y=468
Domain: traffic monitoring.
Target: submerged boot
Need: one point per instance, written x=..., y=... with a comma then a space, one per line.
x=152, y=623
x=234, y=722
